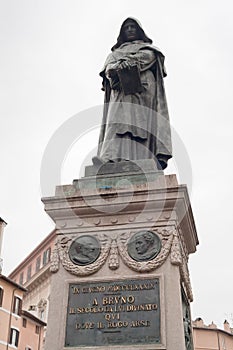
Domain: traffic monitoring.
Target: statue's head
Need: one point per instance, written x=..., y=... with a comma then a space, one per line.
x=131, y=30
x=143, y=242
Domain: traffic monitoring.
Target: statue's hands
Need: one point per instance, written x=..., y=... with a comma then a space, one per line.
x=125, y=64
x=114, y=83
x=111, y=73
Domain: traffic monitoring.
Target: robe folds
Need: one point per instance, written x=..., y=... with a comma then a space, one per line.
x=135, y=126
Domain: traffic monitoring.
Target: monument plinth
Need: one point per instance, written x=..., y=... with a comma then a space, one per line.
x=120, y=268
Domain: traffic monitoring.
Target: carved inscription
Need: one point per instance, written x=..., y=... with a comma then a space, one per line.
x=111, y=313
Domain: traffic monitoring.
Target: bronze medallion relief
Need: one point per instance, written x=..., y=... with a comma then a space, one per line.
x=84, y=250
x=144, y=246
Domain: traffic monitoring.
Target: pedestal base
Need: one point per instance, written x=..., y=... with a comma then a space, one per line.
x=120, y=277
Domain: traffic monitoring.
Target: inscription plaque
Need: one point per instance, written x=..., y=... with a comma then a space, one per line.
x=113, y=313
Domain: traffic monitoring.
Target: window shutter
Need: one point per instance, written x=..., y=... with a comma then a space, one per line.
x=20, y=307
x=17, y=338
x=1, y=296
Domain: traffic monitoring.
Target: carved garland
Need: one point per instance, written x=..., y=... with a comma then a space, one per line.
x=113, y=247
x=62, y=252
x=179, y=257
x=184, y=272
x=54, y=262
x=145, y=266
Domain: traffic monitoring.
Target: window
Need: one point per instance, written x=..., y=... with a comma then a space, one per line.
x=24, y=322
x=46, y=256
x=14, y=337
x=21, y=278
x=17, y=306
x=38, y=263
x=37, y=330
x=1, y=296
x=32, y=308
x=29, y=272
x=27, y=348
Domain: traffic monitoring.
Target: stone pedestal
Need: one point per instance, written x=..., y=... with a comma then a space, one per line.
x=120, y=266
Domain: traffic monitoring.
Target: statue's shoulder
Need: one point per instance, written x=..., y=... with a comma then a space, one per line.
x=160, y=58
x=153, y=48
x=110, y=59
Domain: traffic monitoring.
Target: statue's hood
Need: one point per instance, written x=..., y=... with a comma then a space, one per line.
x=143, y=36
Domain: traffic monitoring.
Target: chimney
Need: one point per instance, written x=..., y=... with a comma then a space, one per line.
x=2, y=225
x=226, y=326
x=212, y=325
x=199, y=322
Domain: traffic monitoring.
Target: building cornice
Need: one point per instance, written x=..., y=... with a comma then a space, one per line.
x=213, y=330
x=38, y=278
x=3, y=221
x=10, y=281
x=34, y=253
x=33, y=318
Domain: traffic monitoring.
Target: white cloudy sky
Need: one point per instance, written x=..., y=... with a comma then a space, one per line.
x=51, y=53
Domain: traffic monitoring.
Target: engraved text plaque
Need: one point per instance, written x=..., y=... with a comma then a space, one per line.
x=113, y=313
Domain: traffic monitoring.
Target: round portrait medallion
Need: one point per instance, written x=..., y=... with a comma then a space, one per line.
x=144, y=246
x=84, y=250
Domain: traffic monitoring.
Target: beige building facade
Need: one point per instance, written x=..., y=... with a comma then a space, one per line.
x=34, y=274
x=18, y=328
x=210, y=337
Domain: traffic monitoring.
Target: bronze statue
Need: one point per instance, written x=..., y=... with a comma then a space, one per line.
x=135, y=121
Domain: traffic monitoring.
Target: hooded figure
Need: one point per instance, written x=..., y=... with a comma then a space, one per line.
x=135, y=121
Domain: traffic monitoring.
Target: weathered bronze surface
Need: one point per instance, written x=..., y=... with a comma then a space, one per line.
x=135, y=121
x=84, y=250
x=113, y=313
x=130, y=80
x=139, y=166
x=144, y=246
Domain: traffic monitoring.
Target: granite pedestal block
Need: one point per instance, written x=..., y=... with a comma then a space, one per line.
x=120, y=267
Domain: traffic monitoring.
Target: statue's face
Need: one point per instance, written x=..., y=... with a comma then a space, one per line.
x=141, y=245
x=86, y=248
x=130, y=31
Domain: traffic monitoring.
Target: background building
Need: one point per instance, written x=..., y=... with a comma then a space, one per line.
x=19, y=329
x=210, y=337
x=34, y=274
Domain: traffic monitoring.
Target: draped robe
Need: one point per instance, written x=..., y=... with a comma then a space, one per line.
x=135, y=126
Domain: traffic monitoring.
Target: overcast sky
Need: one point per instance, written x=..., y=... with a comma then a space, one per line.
x=51, y=54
